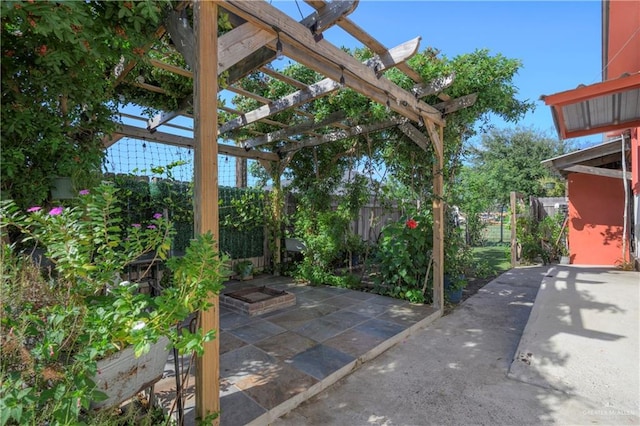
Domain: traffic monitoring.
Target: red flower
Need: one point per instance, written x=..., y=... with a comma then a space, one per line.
x=412, y=224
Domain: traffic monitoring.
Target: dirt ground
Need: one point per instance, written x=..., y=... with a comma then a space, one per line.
x=474, y=285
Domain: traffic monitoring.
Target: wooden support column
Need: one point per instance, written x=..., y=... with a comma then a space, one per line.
x=438, y=216
x=514, y=218
x=275, y=231
x=241, y=172
x=206, y=189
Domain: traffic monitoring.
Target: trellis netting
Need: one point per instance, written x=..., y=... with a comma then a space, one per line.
x=158, y=178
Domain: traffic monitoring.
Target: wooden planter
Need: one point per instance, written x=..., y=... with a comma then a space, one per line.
x=122, y=375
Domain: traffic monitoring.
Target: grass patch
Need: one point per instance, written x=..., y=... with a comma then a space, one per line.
x=497, y=258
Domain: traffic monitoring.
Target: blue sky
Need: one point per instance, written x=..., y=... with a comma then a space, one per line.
x=559, y=42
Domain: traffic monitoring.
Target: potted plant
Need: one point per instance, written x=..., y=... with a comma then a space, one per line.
x=244, y=270
x=61, y=320
x=457, y=260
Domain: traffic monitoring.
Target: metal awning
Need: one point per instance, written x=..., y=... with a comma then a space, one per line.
x=598, y=108
x=601, y=160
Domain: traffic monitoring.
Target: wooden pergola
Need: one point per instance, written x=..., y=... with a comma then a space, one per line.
x=260, y=34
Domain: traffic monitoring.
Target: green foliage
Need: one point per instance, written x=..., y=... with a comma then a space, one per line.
x=543, y=239
x=242, y=222
x=58, y=96
x=403, y=257
x=326, y=231
x=509, y=160
x=323, y=234
x=491, y=261
x=62, y=318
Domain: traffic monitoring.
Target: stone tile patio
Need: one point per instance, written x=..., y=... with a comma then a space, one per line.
x=271, y=363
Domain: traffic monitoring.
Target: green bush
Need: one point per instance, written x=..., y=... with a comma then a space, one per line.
x=403, y=257
x=241, y=212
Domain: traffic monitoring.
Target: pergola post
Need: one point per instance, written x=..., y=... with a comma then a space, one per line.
x=438, y=215
x=206, y=189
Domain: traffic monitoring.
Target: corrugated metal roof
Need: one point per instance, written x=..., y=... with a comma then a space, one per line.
x=590, y=160
x=598, y=108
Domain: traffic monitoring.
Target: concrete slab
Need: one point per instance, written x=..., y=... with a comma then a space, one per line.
x=582, y=337
x=454, y=371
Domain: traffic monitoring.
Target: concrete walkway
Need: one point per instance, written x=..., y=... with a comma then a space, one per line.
x=577, y=362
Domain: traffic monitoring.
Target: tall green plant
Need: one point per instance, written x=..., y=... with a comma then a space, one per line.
x=403, y=257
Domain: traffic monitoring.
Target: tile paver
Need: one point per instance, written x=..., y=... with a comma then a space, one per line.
x=268, y=360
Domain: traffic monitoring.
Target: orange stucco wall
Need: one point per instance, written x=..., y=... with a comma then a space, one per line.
x=596, y=207
x=623, y=56
x=624, y=41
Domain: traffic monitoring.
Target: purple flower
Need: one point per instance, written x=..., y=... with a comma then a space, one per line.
x=84, y=192
x=157, y=216
x=151, y=226
x=56, y=211
x=135, y=225
x=34, y=209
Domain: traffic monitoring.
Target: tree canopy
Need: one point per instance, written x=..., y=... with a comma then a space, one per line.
x=508, y=160
x=58, y=81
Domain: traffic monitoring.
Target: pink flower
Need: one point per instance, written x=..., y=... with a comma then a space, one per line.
x=157, y=216
x=136, y=225
x=412, y=224
x=84, y=192
x=50, y=350
x=151, y=226
x=34, y=209
x=56, y=211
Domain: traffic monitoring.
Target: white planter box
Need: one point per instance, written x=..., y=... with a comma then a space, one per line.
x=122, y=375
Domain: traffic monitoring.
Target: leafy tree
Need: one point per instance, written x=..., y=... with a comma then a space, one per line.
x=509, y=160
x=58, y=80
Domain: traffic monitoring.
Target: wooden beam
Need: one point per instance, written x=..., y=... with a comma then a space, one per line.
x=160, y=137
x=438, y=222
x=376, y=47
x=415, y=135
x=245, y=40
x=340, y=63
x=316, y=22
x=343, y=134
x=314, y=91
x=284, y=134
x=205, y=90
x=171, y=68
x=181, y=35
x=239, y=43
x=125, y=130
x=598, y=171
x=329, y=14
x=233, y=46
x=162, y=118
x=514, y=239
x=456, y=104
x=110, y=140
x=434, y=86
x=149, y=87
x=436, y=139
x=260, y=58
x=240, y=91
x=279, y=76
x=393, y=57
